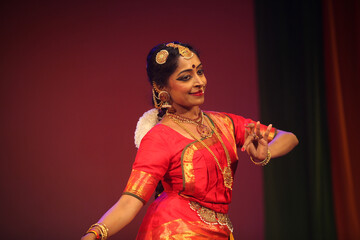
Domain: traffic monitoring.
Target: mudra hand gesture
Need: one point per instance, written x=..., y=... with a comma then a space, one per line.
x=256, y=144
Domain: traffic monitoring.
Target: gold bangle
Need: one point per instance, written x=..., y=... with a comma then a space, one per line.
x=94, y=232
x=263, y=162
x=102, y=229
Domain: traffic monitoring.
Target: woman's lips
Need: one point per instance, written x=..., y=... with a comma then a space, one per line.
x=199, y=93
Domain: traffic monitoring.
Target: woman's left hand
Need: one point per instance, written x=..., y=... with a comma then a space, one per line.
x=256, y=144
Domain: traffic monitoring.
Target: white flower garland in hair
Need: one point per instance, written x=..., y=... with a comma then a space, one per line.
x=147, y=121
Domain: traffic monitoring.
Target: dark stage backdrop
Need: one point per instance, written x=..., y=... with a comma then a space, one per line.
x=309, y=68
x=298, y=189
x=73, y=86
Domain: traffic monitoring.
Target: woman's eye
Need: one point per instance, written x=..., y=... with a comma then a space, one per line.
x=200, y=72
x=184, y=78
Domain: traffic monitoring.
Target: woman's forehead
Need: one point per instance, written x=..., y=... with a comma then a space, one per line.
x=188, y=63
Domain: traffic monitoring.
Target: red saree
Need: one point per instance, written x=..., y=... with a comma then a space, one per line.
x=195, y=202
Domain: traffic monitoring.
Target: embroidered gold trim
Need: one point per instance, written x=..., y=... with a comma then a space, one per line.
x=211, y=217
x=141, y=184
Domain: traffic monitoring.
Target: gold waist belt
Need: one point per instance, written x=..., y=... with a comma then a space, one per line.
x=211, y=217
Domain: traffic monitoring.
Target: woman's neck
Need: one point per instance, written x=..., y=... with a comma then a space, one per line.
x=191, y=113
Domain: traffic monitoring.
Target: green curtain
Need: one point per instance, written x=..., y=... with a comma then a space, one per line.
x=298, y=194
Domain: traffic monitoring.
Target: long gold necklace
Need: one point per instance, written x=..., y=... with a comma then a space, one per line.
x=226, y=172
x=202, y=129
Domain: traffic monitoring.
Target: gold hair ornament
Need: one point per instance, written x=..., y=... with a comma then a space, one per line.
x=183, y=51
x=162, y=55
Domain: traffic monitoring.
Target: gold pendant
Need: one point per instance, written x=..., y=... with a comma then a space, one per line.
x=228, y=179
x=203, y=130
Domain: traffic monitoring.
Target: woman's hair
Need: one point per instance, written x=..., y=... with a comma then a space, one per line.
x=160, y=73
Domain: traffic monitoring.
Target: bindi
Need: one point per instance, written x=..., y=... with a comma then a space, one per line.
x=193, y=66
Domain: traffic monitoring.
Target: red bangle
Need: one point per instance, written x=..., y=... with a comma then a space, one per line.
x=94, y=232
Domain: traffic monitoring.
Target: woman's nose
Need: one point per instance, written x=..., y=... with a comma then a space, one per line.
x=199, y=81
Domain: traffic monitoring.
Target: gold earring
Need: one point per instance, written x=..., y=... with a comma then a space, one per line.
x=164, y=97
x=161, y=98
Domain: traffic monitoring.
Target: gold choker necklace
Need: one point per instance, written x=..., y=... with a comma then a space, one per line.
x=202, y=129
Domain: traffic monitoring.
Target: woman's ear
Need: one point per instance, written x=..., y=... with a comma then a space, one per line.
x=165, y=88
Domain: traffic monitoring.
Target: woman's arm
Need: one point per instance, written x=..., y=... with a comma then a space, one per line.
x=119, y=215
x=283, y=143
x=257, y=145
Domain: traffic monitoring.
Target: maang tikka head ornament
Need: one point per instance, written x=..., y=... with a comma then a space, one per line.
x=162, y=55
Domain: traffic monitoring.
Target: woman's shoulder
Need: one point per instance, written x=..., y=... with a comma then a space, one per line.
x=163, y=137
x=154, y=136
x=159, y=131
x=222, y=114
x=215, y=113
x=227, y=118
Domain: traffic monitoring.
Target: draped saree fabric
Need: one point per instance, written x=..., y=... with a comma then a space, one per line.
x=195, y=201
x=298, y=190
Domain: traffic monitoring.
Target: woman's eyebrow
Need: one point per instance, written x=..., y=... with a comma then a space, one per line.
x=186, y=70
x=189, y=70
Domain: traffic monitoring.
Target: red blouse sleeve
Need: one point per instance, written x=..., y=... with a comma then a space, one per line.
x=151, y=163
x=239, y=128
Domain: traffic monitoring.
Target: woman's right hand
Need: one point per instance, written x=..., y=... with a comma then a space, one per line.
x=89, y=236
x=256, y=144
x=118, y=216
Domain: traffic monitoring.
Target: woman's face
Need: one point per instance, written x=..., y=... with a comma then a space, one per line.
x=187, y=84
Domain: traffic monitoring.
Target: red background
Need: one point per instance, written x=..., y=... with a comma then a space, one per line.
x=73, y=85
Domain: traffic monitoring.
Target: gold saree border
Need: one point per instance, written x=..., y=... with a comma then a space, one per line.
x=226, y=126
x=141, y=185
x=179, y=229
x=272, y=134
x=187, y=167
x=187, y=155
x=226, y=118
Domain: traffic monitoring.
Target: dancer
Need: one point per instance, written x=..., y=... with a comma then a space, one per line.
x=190, y=154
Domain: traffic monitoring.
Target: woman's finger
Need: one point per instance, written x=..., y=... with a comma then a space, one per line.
x=258, y=133
x=247, y=132
x=250, y=126
x=267, y=132
x=247, y=141
x=251, y=150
